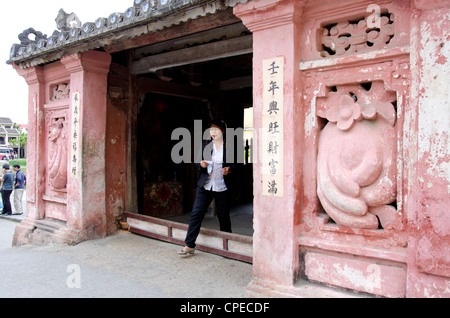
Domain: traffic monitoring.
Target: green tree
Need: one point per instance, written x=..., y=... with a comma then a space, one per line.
x=20, y=141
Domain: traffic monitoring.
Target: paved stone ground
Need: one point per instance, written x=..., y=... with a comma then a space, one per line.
x=121, y=265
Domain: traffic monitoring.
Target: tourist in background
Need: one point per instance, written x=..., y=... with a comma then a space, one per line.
x=1, y=200
x=18, y=189
x=7, y=188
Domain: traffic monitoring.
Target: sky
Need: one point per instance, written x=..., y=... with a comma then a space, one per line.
x=18, y=16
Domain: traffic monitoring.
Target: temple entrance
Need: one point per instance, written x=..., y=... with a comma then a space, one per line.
x=184, y=96
x=167, y=189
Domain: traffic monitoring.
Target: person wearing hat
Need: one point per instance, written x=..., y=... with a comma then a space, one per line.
x=212, y=184
x=7, y=188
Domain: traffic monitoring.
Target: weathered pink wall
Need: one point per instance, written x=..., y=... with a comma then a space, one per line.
x=428, y=157
x=303, y=244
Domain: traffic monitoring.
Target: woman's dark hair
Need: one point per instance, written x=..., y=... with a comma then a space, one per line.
x=222, y=125
x=219, y=123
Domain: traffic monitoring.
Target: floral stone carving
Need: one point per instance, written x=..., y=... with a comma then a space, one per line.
x=57, y=154
x=356, y=171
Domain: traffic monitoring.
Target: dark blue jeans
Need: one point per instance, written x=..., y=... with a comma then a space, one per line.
x=6, y=203
x=202, y=201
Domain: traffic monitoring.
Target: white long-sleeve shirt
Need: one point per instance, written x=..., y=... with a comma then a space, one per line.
x=215, y=181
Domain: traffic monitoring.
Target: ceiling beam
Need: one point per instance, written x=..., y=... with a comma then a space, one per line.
x=206, y=52
x=148, y=85
x=236, y=83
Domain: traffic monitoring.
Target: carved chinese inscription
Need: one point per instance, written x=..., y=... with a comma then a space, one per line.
x=57, y=154
x=75, y=151
x=358, y=36
x=356, y=170
x=272, y=130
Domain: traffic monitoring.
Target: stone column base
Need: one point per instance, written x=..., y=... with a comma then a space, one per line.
x=45, y=231
x=302, y=289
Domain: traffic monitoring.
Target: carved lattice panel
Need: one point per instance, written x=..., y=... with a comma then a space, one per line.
x=356, y=36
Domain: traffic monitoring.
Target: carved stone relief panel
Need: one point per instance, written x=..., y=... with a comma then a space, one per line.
x=59, y=91
x=57, y=151
x=356, y=164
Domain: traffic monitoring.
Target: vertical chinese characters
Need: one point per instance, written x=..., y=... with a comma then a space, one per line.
x=75, y=136
x=272, y=127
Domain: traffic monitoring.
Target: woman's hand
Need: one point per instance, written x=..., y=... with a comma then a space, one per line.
x=226, y=171
x=203, y=163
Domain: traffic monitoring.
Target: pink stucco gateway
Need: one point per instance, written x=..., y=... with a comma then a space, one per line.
x=61, y=195
x=366, y=174
x=365, y=181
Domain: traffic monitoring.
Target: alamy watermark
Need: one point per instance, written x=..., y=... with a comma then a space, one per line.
x=238, y=149
x=373, y=20
x=74, y=279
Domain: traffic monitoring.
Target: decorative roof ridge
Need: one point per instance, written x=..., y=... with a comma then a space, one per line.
x=74, y=37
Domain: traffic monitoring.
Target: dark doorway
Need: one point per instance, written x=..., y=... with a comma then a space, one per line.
x=175, y=97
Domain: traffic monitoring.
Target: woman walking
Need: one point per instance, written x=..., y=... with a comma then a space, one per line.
x=212, y=184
